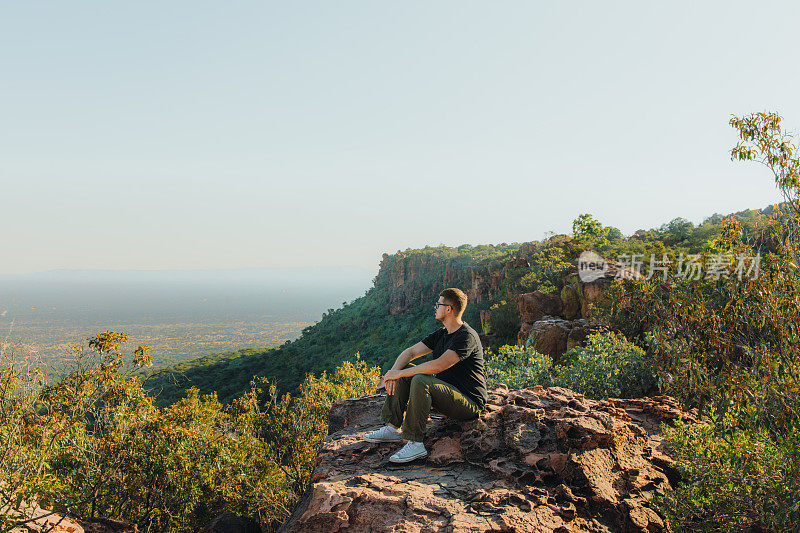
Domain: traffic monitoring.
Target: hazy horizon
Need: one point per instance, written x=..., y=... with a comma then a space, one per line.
x=294, y=271
x=137, y=294
x=181, y=314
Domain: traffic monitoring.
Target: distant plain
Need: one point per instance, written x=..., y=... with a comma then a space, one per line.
x=180, y=314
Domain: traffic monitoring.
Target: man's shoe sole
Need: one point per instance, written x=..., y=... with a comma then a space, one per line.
x=409, y=459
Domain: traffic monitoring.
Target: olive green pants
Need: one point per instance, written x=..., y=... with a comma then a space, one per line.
x=414, y=396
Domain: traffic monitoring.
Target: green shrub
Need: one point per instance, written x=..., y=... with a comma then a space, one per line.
x=608, y=366
x=733, y=479
x=517, y=368
x=549, y=261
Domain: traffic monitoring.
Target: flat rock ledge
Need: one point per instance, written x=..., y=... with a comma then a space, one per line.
x=537, y=459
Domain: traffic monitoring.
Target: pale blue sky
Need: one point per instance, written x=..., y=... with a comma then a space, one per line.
x=171, y=135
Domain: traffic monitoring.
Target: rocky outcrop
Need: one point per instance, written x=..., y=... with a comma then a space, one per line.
x=535, y=305
x=554, y=336
x=548, y=336
x=414, y=279
x=554, y=323
x=34, y=519
x=570, y=296
x=538, y=459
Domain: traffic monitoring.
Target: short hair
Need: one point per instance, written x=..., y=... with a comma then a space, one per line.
x=456, y=299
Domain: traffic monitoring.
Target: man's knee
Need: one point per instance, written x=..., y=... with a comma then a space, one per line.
x=420, y=380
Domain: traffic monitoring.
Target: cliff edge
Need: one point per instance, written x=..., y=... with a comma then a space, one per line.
x=537, y=459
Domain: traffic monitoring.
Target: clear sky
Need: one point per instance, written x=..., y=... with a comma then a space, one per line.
x=192, y=135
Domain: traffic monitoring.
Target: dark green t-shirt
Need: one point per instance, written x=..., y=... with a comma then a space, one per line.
x=468, y=374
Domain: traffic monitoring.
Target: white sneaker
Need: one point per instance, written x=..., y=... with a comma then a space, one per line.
x=412, y=450
x=386, y=434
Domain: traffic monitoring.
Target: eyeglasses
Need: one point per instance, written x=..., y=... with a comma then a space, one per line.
x=436, y=305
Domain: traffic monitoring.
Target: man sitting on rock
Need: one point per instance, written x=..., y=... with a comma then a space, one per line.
x=453, y=382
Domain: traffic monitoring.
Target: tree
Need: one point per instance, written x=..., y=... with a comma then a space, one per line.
x=676, y=231
x=761, y=139
x=587, y=227
x=613, y=234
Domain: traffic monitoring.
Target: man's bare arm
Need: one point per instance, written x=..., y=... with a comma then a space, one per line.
x=409, y=354
x=440, y=364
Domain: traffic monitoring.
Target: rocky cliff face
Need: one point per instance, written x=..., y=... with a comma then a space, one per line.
x=414, y=279
x=539, y=459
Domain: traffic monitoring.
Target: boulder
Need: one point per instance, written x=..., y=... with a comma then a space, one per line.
x=549, y=337
x=535, y=305
x=592, y=294
x=524, y=333
x=554, y=336
x=537, y=459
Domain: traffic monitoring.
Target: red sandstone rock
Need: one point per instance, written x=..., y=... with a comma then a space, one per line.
x=549, y=337
x=537, y=459
x=592, y=295
x=535, y=305
x=446, y=450
x=42, y=520
x=524, y=333
x=39, y=520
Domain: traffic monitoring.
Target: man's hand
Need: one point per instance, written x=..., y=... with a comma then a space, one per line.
x=392, y=375
x=390, y=386
x=389, y=380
